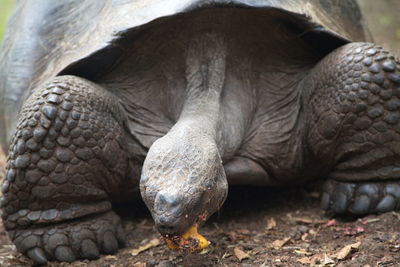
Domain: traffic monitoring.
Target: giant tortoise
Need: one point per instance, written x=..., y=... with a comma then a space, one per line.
x=104, y=100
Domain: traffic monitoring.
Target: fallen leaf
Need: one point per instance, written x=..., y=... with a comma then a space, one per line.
x=353, y=231
x=313, y=232
x=331, y=223
x=271, y=223
x=226, y=255
x=307, y=220
x=394, y=248
x=110, y=257
x=153, y=243
x=304, y=237
x=345, y=251
x=397, y=214
x=243, y=231
x=233, y=235
x=240, y=254
x=360, y=229
x=327, y=261
x=321, y=260
x=302, y=252
x=140, y=264
x=370, y=221
x=255, y=252
x=277, y=244
x=387, y=260
x=204, y=251
x=304, y=260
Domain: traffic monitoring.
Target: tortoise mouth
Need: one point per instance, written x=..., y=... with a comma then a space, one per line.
x=169, y=223
x=193, y=210
x=180, y=228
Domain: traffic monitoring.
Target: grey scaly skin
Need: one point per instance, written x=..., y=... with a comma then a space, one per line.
x=61, y=166
x=354, y=125
x=211, y=106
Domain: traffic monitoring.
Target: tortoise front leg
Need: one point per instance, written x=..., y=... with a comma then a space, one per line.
x=354, y=128
x=68, y=158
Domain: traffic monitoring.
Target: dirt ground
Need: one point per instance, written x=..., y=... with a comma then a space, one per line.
x=256, y=227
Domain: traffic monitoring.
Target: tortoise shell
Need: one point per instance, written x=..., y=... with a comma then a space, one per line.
x=84, y=37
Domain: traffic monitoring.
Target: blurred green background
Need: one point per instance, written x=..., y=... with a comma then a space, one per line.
x=382, y=17
x=5, y=12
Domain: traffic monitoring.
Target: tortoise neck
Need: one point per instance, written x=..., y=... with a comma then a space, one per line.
x=205, y=79
x=204, y=112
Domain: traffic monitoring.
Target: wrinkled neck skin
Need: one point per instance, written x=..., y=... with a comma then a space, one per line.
x=183, y=180
x=205, y=76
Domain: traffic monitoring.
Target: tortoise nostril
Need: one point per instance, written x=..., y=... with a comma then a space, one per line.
x=170, y=203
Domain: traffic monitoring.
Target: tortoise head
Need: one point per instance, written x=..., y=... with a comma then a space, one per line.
x=183, y=180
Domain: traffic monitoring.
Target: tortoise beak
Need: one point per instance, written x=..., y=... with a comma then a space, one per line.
x=168, y=213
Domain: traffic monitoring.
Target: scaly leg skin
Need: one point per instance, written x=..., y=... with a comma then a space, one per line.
x=66, y=161
x=354, y=113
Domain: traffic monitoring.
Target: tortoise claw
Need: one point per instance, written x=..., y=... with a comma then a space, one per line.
x=110, y=244
x=64, y=253
x=38, y=256
x=89, y=250
x=360, y=198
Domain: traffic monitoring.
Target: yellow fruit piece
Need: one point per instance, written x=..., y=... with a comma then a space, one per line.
x=194, y=234
x=171, y=244
x=191, y=240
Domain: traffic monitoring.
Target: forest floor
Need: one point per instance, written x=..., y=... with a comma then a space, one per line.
x=256, y=227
